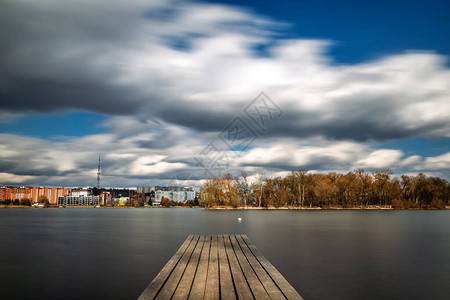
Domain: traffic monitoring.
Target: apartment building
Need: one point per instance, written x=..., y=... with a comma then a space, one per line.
x=17, y=193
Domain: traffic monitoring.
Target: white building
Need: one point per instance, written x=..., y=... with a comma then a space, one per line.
x=80, y=192
x=78, y=200
x=144, y=189
x=174, y=193
x=181, y=196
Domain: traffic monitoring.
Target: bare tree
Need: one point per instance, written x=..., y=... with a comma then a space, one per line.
x=243, y=188
x=259, y=184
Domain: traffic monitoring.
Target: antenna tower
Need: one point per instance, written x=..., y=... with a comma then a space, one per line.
x=98, y=173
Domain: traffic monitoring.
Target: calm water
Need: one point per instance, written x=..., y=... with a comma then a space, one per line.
x=86, y=253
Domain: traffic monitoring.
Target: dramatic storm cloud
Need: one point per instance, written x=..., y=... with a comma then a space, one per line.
x=170, y=75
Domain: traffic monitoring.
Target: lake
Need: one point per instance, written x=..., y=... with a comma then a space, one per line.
x=87, y=253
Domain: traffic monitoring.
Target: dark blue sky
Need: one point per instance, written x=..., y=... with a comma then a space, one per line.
x=69, y=124
x=363, y=30
x=368, y=30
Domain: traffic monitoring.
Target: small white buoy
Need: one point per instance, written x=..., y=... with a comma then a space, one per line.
x=239, y=219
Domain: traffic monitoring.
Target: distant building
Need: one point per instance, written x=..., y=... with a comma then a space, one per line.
x=79, y=197
x=144, y=189
x=79, y=200
x=161, y=192
x=105, y=198
x=17, y=193
x=81, y=192
x=182, y=196
x=96, y=196
x=145, y=194
x=109, y=197
x=174, y=193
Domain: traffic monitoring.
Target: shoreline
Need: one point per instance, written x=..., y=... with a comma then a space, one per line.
x=319, y=208
x=236, y=208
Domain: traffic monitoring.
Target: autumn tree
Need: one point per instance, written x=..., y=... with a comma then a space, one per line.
x=357, y=188
x=301, y=183
x=382, y=187
x=258, y=185
x=346, y=185
x=229, y=188
x=324, y=190
x=243, y=189
x=363, y=185
x=165, y=202
x=25, y=201
x=43, y=199
x=212, y=192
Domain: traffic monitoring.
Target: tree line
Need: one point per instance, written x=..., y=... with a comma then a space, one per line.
x=25, y=201
x=305, y=189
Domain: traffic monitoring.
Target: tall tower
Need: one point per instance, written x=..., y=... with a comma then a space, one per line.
x=98, y=173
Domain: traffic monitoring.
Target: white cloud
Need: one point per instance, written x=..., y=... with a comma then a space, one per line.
x=15, y=179
x=125, y=162
x=412, y=160
x=384, y=158
x=441, y=162
x=306, y=153
x=123, y=55
x=167, y=102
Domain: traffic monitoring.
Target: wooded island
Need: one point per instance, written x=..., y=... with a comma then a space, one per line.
x=333, y=190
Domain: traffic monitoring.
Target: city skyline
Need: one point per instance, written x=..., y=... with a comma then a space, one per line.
x=158, y=87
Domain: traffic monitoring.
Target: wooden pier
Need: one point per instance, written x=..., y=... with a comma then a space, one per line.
x=219, y=267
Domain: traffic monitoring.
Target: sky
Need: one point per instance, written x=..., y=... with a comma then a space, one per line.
x=172, y=92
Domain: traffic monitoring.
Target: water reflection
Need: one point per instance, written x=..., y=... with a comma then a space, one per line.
x=114, y=253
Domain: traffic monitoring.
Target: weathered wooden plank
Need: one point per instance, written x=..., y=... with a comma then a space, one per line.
x=199, y=285
x=219, y=267
x=171, y=284
x=184, y=287
x=226, y=282
x=271, y=288
x=255, y=285
x=154, y=287
x=240, y=283
x=280, y=281
x=212, y=281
